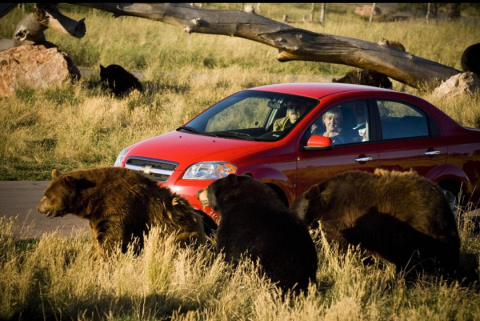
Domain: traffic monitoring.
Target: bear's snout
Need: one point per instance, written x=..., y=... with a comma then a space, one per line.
x=203, y=197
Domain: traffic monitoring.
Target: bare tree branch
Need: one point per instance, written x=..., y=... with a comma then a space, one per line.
x=293, y=43
x=49, y=16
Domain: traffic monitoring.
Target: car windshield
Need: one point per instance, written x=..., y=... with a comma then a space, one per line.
x=252, y=115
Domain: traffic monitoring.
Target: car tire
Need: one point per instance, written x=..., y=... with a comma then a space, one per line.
x=452, y=200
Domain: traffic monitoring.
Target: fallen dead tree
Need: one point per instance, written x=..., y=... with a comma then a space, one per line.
x=292, y=43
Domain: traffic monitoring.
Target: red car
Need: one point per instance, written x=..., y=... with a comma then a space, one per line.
x=276, y=133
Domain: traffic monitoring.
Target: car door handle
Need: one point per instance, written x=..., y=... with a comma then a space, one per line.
x=433, y=152
x=364, y=159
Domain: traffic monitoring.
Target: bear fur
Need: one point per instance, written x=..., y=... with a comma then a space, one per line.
x=366, y=77
x=255, y=222
x=121, y=205
x=400, y=216
x=115, y=79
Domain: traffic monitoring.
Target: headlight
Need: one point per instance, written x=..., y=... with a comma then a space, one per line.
x=209, y=170
x=120, y=157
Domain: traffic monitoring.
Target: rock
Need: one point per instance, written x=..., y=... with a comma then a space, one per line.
x=34, y=66
x=366, y=11
x=464, y=83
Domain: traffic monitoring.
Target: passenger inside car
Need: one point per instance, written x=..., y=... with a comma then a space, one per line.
x=342, y=124
x=332, y=120
x=359, y=109
x=329, y=126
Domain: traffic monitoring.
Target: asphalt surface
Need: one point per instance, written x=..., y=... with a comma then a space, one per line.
x=19, y=199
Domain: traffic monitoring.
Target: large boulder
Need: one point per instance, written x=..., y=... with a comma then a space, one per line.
x=34, y=66
x=366, y=11
x=460, y=84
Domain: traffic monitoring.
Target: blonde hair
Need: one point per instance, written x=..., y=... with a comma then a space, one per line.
x=333, y=111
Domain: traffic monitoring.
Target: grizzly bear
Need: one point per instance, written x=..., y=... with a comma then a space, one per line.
x=115, y=79
x=400, y=216
x=366, y=77
x=121, y=205
x=254, y=221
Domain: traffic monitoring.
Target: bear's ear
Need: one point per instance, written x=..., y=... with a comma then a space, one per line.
x=232, y=179
x=101, y=67
x=55, y=173
x=69, y=181
x=315, y=191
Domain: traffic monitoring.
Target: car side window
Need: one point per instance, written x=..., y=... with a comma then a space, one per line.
x=344, y=124
x=399, y=120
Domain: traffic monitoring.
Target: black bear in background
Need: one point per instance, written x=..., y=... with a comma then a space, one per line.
x=115, y=79
x=371, y=77
x=366, y=77
x=471, y=59
x=254, y=221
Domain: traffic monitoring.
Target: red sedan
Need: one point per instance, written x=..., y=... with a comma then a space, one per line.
x=292, y=136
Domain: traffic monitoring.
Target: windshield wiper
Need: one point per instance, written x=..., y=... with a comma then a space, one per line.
x=232, y=135
x=189, y=129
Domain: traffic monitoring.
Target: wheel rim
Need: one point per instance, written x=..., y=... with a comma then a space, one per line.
x=452, y=201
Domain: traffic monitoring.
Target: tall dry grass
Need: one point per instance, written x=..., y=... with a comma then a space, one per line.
x=58, y=278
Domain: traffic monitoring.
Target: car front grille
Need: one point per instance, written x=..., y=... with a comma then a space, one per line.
x=155, y=169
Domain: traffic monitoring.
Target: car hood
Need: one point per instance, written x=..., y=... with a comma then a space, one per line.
x=186, y=148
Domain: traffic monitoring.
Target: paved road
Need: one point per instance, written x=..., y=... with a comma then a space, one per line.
x=20, y=198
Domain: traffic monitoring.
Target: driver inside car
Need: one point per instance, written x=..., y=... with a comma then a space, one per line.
x=295, y=110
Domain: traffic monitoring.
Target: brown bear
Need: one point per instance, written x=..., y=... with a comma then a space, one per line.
x=116, y=80
x=254, y=221
x=121, y=205
x=400, y=216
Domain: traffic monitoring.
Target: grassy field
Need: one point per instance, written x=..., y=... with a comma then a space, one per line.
x=76, y=126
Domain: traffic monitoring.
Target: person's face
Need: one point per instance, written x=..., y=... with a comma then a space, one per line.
x=332, y=121
x=295, y=112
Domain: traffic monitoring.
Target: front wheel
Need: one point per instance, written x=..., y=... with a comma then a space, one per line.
x=452, y=200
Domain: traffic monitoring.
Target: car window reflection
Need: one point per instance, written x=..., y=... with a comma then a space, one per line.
x=399, y=120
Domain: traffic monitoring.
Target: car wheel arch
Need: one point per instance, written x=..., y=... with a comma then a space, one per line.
x=276, y=180
x=454, y=183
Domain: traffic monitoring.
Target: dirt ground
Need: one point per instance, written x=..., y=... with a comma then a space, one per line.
x=19, y=199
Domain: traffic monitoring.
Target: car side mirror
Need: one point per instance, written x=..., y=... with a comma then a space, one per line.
x=318, y=142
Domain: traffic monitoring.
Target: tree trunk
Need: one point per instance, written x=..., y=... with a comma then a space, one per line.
x=322, y=14
x=30, y=30
x=312, y=12
x=371, y=14
x=293, y=43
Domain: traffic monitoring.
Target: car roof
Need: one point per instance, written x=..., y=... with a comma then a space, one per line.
x=318, y=90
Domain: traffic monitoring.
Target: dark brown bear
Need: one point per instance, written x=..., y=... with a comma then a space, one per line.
x=471, y=59
x=402, y=217
x=121, y=204
x=115, y=79
x=255, y=221
x=366, y=77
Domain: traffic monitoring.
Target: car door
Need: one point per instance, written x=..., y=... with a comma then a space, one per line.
x=355, y=150
x=408, y=138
